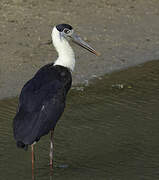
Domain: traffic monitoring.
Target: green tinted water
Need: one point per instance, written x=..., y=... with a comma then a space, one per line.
x=109, y=131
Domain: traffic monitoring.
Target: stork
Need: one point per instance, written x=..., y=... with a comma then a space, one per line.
x=42, y=99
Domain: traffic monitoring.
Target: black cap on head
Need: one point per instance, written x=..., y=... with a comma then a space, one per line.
x=61, y=27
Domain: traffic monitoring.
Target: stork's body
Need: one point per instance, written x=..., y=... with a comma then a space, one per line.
x=42, y=99
x=41, y=104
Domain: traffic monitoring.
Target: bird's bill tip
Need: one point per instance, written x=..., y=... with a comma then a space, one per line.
x=93, y=51
x=97, y=53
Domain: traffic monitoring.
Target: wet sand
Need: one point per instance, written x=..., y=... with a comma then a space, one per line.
x=125, y=32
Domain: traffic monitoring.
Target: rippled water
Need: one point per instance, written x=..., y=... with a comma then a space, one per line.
x=109, y=131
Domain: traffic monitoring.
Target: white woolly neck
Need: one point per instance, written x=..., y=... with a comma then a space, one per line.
x=66, y=56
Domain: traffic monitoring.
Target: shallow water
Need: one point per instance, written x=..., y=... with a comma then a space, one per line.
x=109, y=131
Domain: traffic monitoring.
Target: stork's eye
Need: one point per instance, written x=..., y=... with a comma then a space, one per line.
x=66, y=31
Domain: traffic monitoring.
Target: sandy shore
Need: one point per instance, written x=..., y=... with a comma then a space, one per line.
x=125, y=32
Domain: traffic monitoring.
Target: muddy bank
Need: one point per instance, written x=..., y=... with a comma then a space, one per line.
x=125, y=32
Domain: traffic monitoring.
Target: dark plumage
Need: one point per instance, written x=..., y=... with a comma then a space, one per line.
x=41, y=103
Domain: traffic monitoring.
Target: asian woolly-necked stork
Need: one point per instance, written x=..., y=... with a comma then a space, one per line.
x=42, y=99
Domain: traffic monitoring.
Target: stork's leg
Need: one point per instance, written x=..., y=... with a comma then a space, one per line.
x=51, y=148
x=32, y=159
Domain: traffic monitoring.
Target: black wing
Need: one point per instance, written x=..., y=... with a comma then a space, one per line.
x=41, y=104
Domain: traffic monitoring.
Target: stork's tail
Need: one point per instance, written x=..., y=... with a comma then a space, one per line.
x=20, y=144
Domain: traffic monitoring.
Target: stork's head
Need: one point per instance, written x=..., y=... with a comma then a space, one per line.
x=65, y=32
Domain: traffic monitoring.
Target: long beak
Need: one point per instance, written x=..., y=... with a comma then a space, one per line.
x=76, y=39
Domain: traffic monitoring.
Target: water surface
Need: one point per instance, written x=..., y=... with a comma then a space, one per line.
x=109, y=131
